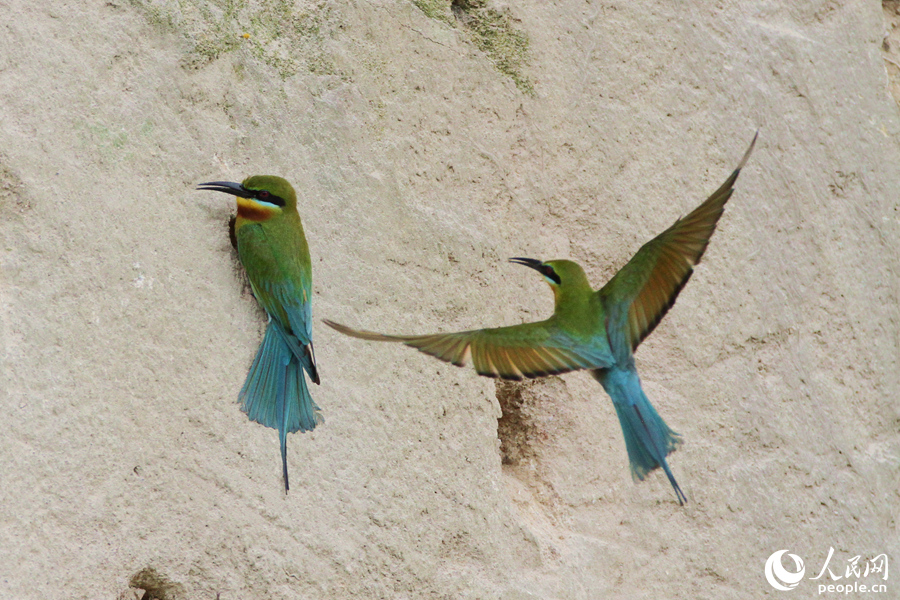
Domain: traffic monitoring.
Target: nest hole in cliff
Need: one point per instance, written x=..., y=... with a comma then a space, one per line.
x=155, y=585
x=516, y=427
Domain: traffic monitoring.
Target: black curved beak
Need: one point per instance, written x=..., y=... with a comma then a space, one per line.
x=528, y=262
x=229, y=187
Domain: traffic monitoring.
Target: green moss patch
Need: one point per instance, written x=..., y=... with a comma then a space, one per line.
x=288, y=36
x=494, y=34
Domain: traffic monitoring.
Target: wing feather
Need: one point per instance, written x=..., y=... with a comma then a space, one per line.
x=651, y=281
x=282, y=284
x=529, y=350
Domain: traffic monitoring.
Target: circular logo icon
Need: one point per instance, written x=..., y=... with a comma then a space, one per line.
x=779, y=577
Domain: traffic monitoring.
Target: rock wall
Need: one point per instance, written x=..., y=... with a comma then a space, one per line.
x=429, y=143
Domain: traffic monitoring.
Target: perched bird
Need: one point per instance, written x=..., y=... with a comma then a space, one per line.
x=273, y=250
x=596, y=330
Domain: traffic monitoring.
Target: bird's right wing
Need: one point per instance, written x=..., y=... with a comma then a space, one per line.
x=651, y=281
x=529, y=350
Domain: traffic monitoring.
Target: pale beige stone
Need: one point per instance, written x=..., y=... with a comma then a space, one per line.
x=127, y=326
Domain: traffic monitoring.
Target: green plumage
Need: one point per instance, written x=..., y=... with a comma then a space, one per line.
x=273, y=249
x=596, y=330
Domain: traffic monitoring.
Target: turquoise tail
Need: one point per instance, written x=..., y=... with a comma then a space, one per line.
x=275, y=393
x=647, y=437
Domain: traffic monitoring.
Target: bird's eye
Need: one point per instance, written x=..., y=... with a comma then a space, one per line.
x=269, y=197
x=549, y=273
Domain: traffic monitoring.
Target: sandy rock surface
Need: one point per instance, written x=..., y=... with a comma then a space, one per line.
x=429, y=143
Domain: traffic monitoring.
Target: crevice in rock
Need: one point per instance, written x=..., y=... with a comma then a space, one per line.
x=515, y=427
x=155, y=585
x=890, y=45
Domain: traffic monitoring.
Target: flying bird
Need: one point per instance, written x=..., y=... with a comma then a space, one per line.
x=273, y=249
x=595, y=330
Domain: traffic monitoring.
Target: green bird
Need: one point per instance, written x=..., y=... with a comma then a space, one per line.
x=596, y=330
x=272, y=247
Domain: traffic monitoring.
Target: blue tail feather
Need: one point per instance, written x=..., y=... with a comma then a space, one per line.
x=301, y=351
x=275, y=393
x=281, y=410
x=647, y=437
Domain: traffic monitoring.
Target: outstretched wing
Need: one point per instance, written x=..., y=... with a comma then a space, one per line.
x=529, y=350
x=651, y=281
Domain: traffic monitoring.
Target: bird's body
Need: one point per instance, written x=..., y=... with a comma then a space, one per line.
x=273, y=249
x=595, y=330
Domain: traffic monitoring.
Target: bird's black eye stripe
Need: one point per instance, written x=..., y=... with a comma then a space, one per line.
x=548, y=272
x=269, y=197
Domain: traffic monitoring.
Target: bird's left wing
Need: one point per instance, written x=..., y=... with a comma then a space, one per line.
x=529, y=350
x=651, y=281
x=280, y=278
x=282, y=284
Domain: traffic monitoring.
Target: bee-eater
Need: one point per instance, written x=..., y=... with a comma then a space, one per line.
x=596, y=330
x=273, y=250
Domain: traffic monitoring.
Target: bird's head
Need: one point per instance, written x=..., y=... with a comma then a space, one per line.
x=259, y=198
x=564, y=276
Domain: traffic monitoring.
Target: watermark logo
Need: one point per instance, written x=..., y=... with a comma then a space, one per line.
x=779, y=577
x=859, y=575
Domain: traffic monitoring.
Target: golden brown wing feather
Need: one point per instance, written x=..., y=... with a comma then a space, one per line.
x=506, y=352
x=653, y=278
